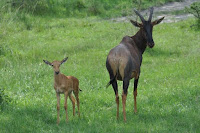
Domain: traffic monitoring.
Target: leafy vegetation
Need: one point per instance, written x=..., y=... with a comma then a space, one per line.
x=78, y=8
x=168, y=90
x=195, y=10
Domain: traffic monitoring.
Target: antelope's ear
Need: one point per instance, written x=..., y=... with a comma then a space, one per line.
x=64, y=60
x=136, y=24
x=157, y=21
x=47, y=62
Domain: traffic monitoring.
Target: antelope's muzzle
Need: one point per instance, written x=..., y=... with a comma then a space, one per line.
x=150, y=44
x=57, y=72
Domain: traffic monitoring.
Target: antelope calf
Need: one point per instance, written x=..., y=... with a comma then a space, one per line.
x=64, y=85
x=124, y=61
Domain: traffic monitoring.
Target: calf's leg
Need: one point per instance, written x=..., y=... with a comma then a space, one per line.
x=58, y=107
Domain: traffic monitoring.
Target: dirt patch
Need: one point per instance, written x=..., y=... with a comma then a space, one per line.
x=164, y=10
x=173, y=6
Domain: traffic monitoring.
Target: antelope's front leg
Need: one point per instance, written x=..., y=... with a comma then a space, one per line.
x=58, y=107
x=65, y=105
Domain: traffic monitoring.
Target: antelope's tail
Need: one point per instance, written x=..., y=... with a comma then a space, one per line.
x=111, y=81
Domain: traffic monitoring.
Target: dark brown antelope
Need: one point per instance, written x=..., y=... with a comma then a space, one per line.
x=124, y=61
x=64, y=85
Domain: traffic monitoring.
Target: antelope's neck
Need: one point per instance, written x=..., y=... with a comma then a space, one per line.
x=57, y=78
x=140, y=40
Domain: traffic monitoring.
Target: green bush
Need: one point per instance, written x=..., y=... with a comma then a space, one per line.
x=195, y=10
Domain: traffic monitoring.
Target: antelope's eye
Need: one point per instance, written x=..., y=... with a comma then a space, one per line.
x=51, y=64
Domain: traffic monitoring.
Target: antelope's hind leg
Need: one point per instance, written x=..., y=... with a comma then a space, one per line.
x=113, y=81
x=77, y=100
x=115, y=87
x=124, y=95
x=73, y=103
x=135, y=94
x=65, y=105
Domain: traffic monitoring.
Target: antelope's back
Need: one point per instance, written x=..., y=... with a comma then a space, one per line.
x=74, y=81
x=124, y=60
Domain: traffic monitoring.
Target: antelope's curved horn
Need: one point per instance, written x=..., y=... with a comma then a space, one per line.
x=141, y=17
x=151, y=13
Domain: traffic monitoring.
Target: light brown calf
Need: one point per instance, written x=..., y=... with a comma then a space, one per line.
x=64, y=85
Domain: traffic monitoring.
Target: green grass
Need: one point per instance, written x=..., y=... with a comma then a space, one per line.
x=168, y=90
x=78, y=8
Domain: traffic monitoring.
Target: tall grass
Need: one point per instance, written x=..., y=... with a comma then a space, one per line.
x=168, y=91
x=78, y=8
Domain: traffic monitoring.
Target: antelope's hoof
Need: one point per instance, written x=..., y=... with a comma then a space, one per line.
x=135, y=111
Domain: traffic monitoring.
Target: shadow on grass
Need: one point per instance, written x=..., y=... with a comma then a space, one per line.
x=26, y=119
x=176, y=112
x=160, y=52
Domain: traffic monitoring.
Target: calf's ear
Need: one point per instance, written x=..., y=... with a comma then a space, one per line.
x=47, y=62
x=64, y=60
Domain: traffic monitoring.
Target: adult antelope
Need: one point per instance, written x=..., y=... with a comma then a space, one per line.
x=124, y=61
x=64, y=85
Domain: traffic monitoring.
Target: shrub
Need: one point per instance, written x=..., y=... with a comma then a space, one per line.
x=195, y=10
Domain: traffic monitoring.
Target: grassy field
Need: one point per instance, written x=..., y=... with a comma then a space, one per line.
x=78, y=8
x=168, y=91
